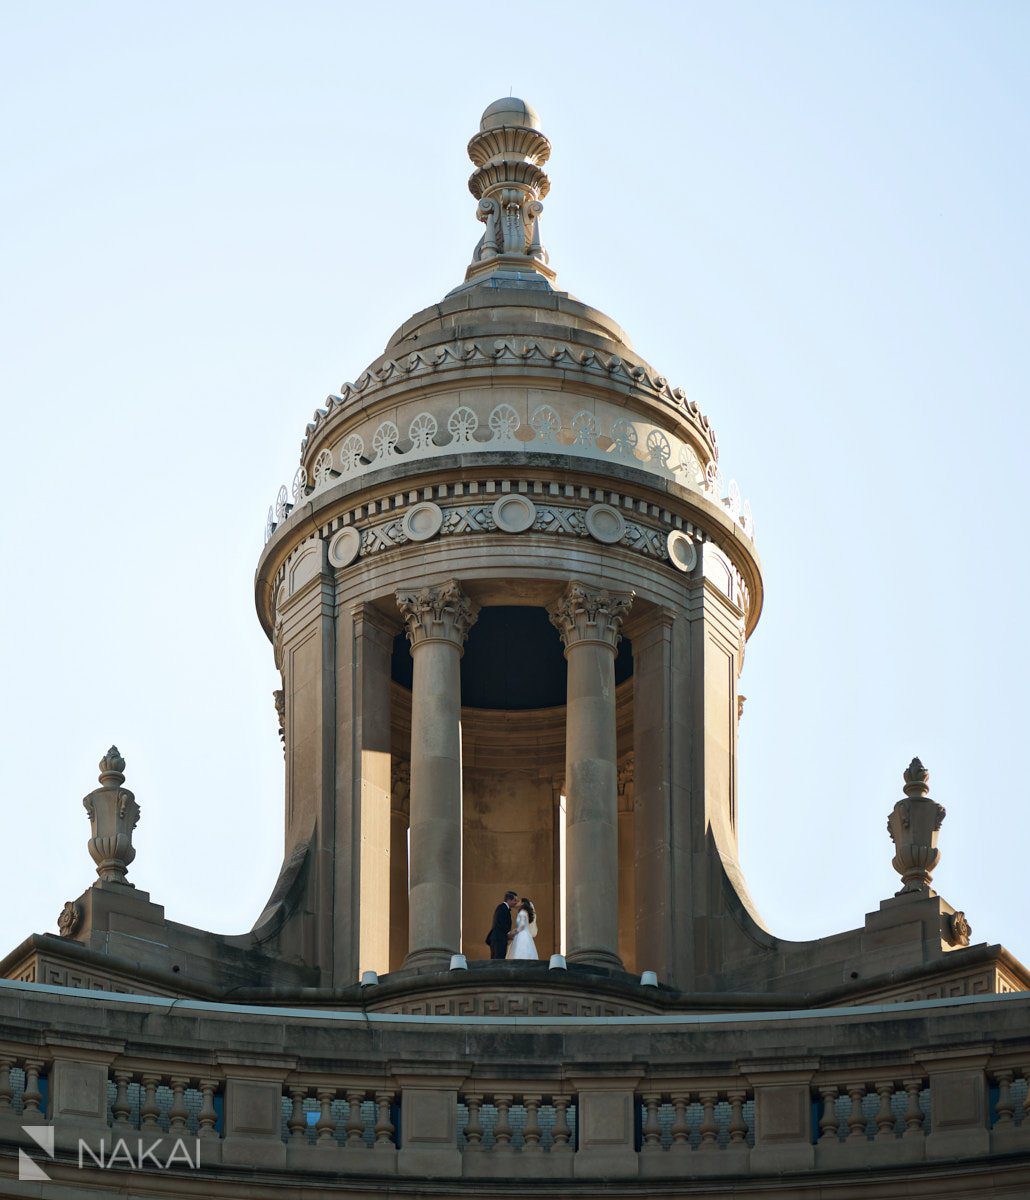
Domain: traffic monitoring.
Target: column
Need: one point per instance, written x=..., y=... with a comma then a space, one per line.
x=364, y=762
x=399, y=866
x=589, y=621
x=437, y=620
x=654, y=833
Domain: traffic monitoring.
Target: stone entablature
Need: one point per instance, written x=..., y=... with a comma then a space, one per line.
x=360, y=524
x=927, y=1098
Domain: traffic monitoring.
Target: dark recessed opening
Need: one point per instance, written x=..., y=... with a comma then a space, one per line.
x=513, y=660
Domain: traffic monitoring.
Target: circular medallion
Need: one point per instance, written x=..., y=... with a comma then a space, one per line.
x=423, y=521
x=682, y=551
x=605, y=524
x=344, y=547
x=514, y=514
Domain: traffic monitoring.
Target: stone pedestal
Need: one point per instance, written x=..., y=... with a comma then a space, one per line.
x=589, y=621
x=438, y=620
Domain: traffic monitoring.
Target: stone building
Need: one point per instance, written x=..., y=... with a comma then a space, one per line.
x=509, y=601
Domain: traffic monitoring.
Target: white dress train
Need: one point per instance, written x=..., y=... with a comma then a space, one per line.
x=523, y=944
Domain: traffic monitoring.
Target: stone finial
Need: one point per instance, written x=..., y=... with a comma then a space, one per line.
x=113, y=815
x=586, y=614
x=509, y=182
x=913, y=825
x=442, y=613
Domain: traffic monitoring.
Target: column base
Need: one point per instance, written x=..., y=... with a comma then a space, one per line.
x=432, y=958
x=595, y=958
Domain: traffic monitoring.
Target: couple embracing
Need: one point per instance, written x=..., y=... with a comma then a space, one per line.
x=518, y=942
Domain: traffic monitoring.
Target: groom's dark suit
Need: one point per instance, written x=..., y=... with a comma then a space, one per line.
x=497, y=938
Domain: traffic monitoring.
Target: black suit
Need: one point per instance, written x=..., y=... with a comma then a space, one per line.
x=497, y=938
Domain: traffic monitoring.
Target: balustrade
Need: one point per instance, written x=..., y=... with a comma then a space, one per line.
x=857, y=1111
x=1010, y=1095
x=354, y=1117
x=697, y=1117
x=524, y=1123
x=156, y=1102
x=23, y=1086
x=864, y=1110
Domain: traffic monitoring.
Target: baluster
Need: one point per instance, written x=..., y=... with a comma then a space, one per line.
x=298, y=1122
x=326, y=1124
x=355, y=1125
x=531, y=1133
x=6, y=1091
x=178, y=1113
x=121, y=1109
x=884, y=1115
x=384, y=1126
x=474, y=1128
x=562, y=1133
x=32, y=1096
x=503, y=1130
x=680, y=1128
x=1005, y=1107
x=652, y=1126
x=738, y=1126
x=709, y=1128
x=828, y=1123
x=149, y=1109
x=856, y=1119
x=913, y=1113
x=207, y=1118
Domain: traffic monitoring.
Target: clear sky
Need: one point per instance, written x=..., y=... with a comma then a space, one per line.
x=811, y=216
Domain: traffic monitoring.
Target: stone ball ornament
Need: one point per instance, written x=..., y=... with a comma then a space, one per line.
x=509, y=111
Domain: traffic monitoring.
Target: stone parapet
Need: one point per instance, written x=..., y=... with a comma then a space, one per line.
x=860, y=1099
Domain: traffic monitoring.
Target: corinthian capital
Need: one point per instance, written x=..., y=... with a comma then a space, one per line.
x=435, y=614
x=585, y=614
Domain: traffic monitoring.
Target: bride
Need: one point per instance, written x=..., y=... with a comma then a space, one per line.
x=523, y=944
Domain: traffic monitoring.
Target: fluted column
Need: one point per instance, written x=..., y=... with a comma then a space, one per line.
x=437, y=620
x=589, y=621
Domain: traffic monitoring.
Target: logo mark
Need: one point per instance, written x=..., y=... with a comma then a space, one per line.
x=43, y=1136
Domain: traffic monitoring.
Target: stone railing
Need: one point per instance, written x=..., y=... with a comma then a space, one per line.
x=292, y=1092
x=609, y=437
x=503, y=1122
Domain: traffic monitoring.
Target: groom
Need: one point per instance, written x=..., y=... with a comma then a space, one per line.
x=497, y=938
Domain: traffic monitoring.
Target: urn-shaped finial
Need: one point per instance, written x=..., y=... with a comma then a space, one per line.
x=914, y=824
x=113, y=815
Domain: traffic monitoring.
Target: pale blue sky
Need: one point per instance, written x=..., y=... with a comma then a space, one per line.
x=811, y=216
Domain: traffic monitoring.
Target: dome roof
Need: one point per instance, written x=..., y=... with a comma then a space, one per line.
x=508, y=112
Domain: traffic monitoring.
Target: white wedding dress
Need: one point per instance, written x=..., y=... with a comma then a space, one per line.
x=523, y=944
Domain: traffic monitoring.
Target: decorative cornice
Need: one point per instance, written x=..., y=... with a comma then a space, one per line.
x=491, y=352
x=437, y=614
x=585, y=614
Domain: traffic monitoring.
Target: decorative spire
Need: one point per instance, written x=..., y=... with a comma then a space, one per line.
x=509, y=152
x=913, y=825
